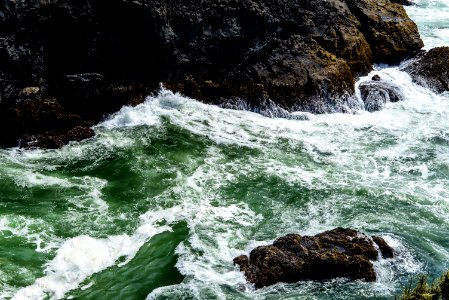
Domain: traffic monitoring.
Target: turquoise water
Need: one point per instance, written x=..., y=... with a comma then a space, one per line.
x=158, y=204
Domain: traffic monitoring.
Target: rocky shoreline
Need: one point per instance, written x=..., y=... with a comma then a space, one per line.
x=66, y=64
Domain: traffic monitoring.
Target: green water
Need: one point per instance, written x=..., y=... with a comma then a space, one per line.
x=165, y=196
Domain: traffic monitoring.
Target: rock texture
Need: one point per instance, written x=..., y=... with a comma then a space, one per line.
x=66, y=63
x=430, y=69
x=377, y=92
x=341, y=252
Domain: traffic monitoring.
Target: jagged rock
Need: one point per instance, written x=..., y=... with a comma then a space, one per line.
x=93, y=56
x=430, y=69
x=341, y=252
x=376, y=93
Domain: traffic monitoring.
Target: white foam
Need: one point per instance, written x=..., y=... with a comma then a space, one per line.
x=30, y=179
x=35, y=231
x=433, y=23
x=82, y=256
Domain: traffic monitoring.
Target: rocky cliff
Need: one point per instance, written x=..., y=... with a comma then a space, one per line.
x=66, y=63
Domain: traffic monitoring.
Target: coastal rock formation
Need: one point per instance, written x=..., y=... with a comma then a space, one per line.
x=341, y=252
x=377, y=92
x=66, y=63
x=430, y=69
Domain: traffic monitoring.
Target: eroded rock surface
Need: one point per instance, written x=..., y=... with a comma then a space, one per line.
x=341, y=252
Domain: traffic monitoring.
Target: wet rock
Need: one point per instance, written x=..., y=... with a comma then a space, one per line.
x=387, y=27
x=54, y=140
x=94, y=56
x=341, y=252
x=430, y=69
x=376, y=78
x=387, y=251
x=376, y=93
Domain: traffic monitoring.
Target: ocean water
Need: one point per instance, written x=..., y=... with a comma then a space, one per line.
x=158, y=204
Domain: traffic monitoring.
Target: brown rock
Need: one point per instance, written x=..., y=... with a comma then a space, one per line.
x=393, y=36
x=385, y=249
x=341, y=252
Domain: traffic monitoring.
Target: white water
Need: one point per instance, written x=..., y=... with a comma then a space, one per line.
x=80, y=257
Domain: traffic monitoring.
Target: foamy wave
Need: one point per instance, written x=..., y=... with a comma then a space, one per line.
x=35, y=231
x=82, y=256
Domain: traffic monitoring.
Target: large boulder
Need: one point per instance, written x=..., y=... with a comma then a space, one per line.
x=341, y=252
x=430, y=69
x=89, y=57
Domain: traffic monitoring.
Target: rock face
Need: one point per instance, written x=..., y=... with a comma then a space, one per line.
x=341, y=252
x=377, y=92
x=66, y=63
x=430, y=69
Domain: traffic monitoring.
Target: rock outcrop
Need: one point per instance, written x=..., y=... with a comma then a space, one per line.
x=66, y=63
x=430, y=69
x=341, y=252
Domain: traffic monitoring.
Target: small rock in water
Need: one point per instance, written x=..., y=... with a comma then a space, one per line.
x=375, y=94
x=341, y=252
x=376, y=78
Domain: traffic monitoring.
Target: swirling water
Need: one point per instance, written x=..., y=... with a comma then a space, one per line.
x=158, y=204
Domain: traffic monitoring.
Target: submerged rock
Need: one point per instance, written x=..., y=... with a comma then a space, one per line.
x=377, y=92
x=341, y=252
x=93, y=56
x=430, y=69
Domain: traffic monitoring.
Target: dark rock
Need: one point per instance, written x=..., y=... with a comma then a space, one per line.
x=376, y=78
x=54, y=140
x=375, y=94
x=403, y=2
x=387, y=251
x=93, y=56
x=340, y=252
x=430, y=69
